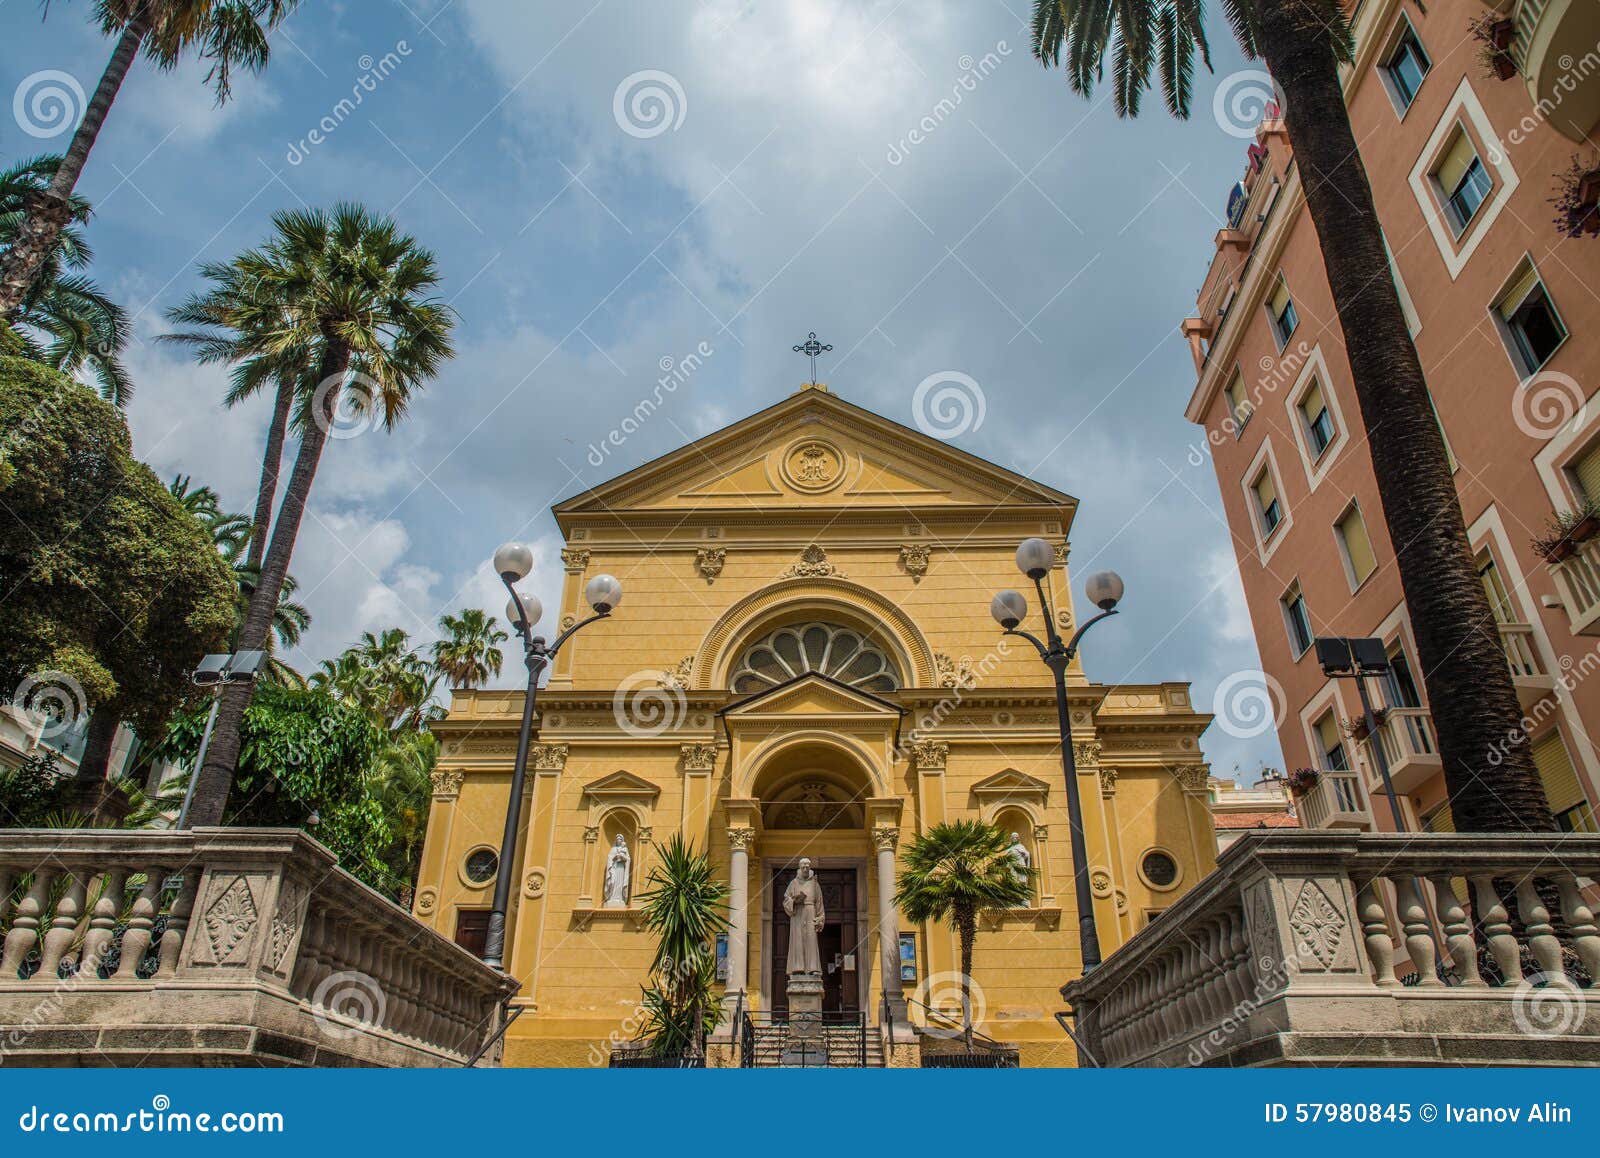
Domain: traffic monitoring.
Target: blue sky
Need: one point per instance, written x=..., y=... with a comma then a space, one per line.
x=756, y=178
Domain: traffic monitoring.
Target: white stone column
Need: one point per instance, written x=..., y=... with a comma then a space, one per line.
x=885, y=839
x=739, y=841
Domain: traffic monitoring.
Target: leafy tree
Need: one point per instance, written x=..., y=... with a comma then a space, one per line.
x=350, y=291
x=64, y=320
x=226, y=33
x=685, y=906
x=1304, y=43
x=953, y=872
x=469, y=654
x=31, y=790
x=402, y=785
x=111, y=587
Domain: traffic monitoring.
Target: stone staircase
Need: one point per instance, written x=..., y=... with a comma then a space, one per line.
x=846, y=1043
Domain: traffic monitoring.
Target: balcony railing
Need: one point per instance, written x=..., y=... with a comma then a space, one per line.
x=1525, y=24
x=1410, y=746
x=1578, y=579
x=1336, y=801
x=1292, y=953
x=1527, y=671
x=223, y=947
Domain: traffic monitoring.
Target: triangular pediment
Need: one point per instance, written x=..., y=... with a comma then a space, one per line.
x=813, y=450
x=1011, y=782
x=621, y=783
x=812, y=694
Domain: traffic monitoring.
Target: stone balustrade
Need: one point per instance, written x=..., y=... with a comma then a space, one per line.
x=222, y=946
x=1324, y=947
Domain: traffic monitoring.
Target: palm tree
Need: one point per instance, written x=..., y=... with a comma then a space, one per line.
x=686, y=907
x=63, y=320
x=1303, y=42
x=226, y=33
x=468, y=655
x=952, y=873
x=349, y=290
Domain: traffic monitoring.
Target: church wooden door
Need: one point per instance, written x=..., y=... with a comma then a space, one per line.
x=838, y=943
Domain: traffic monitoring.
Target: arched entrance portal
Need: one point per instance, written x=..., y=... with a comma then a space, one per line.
x=813, y=801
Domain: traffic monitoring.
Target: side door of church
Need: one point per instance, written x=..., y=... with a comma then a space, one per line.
x=838, y=943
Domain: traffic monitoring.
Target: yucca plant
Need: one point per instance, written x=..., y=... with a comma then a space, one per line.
x=685, y=906
x=952, y=873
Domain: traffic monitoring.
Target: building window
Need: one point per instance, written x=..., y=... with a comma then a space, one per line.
x=1159, y=869
x=1268, y=507
x=481, y=865
x=1494, y=589
x=1463, y=181
x=1398, y=681
x=1298, y=618
x=1406, y=66
x=1356, y=544
x=1528, y=322
x=1560, y=779
x=1318, y=419
x=1239, y=406
x=841, y=653
x=1280, y=307
x=1585, y=473
x=1330, y=744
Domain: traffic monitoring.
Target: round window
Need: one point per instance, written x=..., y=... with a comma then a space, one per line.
x=481, y=865
x=1159, y=870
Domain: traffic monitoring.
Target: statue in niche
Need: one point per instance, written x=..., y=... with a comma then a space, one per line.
x=802, y=900
x=616, y=880
x=1021, y=858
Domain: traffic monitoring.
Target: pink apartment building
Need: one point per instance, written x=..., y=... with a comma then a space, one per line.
x=1471, y=118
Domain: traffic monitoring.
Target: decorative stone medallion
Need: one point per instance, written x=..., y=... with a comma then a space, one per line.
x=1317, y=926
x=427, y=900
x=229, y=919
x=813, y=465
x=533, y=884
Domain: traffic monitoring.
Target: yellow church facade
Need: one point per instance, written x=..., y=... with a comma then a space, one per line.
x=804, y=664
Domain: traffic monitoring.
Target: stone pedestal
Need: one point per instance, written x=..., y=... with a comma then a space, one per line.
x=807, y=1045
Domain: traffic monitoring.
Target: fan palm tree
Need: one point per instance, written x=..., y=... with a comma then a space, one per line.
x=63, y=320
x=1303, y=43
x=685, y=906
x=228, y=34
x=469, y=654
x=348, y=290
x=952, y=873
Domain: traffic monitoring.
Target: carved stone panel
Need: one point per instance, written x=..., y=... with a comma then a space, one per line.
x=230, y=918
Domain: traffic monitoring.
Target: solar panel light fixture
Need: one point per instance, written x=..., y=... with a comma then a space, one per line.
x=1341, y=656
x=227, y=668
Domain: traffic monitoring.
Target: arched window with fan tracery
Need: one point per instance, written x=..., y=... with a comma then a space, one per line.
x=842, y=653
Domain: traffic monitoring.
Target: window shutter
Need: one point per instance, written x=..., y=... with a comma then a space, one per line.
x=1454, y=165
x=1587, y=472
x=1442, y=821
x=1265, y=493
x=1327, y=733
x=1357, y=544
x=1511, y=301
x=1279, y=300
x=1560, y=779
x=1312, y=401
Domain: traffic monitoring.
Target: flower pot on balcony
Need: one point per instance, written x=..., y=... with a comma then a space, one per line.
x=1501, y=32
x=1504, y=67
x=1584, y=529
x=1302, y=780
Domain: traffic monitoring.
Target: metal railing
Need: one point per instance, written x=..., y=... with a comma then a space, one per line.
x=768, y=1039
x=1336, y=800
x=979, y=1052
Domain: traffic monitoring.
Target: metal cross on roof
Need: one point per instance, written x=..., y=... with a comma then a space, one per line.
x=811, y=348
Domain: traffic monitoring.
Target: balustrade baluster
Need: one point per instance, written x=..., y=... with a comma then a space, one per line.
x=1375, y=927
x=1496, y=922
x=1457, y=932
x=141, y=923
x=24, y=934
x=63, y=926
x=1414, y=922
x=1542, y=940
x=170, y=949
x=103, y=921
x=1580, y=920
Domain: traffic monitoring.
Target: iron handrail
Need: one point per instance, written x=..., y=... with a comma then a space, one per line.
x=986, y=1041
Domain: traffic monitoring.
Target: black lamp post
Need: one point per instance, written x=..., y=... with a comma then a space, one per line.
x=512, y=562
x=1035, y=557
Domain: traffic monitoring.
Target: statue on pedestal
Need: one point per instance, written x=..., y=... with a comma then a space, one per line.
x=802, y=900
x=616, y=880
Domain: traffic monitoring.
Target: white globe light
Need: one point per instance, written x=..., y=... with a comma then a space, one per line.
x=513, y=561
x=603, y=592
x=530, y=604
x=1104, y=589
x=1009, y=608
x=1035, y=557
